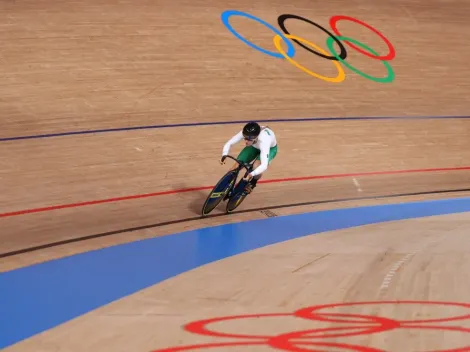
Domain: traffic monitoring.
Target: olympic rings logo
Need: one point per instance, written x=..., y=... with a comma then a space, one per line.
x=333, y=56
x=347, y=325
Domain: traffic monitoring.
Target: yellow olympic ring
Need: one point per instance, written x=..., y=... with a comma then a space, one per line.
x=277, y=43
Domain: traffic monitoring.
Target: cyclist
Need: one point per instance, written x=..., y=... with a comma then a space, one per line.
x=261, y=145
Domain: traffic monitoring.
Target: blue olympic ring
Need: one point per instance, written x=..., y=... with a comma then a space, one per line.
x=227, y=14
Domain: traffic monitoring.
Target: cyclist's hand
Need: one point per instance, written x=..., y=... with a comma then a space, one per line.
x=248, y=177
x=221, y=161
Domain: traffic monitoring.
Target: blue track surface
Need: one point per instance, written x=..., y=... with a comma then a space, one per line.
x=39, y=297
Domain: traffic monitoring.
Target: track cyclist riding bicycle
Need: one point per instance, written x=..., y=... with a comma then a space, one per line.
x=261, y=146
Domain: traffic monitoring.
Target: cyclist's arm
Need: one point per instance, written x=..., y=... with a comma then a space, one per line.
x=234, y=140
x=264, y=158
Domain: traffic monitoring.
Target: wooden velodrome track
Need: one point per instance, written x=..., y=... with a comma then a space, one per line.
x=114, y=115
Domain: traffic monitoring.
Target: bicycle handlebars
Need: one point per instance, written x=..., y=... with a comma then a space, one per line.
x=248, y=167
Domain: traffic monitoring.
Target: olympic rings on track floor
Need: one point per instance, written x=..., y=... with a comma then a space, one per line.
x=337, y=59
x=349, y=325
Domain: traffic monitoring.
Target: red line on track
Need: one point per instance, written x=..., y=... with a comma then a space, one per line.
x=185, y=190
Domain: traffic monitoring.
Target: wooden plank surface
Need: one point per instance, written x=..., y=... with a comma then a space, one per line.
x=90, y=65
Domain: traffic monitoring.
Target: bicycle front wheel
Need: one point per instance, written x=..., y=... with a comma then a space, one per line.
x=218, y=192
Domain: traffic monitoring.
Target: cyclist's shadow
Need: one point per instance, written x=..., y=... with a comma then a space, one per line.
x=196, y=198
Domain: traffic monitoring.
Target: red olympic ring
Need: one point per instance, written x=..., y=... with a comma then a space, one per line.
x=291, y=341
x=389, y=56
x=238, y=344
x=287, y=346
x=308, y=312
x=210, y=345
x=199, y=327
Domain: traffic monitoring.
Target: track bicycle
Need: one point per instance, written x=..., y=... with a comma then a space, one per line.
x=227, y=188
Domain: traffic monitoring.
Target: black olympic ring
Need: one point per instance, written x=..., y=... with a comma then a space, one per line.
x=281, y=21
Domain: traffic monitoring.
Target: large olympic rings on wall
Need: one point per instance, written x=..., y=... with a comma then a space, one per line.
x=336, y=58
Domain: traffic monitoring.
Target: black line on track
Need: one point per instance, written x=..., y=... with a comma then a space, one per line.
x=195, y=218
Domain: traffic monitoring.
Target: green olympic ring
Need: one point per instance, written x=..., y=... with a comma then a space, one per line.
x=391, y=75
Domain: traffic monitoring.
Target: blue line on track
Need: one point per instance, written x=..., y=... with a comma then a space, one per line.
x=39, y=297
x=196, y=124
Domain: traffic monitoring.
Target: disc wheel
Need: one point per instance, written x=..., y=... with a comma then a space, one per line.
x=237, y=198
x=218, y=192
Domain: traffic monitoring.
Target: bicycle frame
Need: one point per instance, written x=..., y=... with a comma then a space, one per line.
x=241, y=164
x=228, y=192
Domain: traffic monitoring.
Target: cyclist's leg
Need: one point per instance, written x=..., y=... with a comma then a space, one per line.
x=247, y=155
x=254, y=180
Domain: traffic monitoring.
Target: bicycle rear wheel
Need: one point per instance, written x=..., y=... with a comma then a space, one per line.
x=218, y=192
x=237, y=198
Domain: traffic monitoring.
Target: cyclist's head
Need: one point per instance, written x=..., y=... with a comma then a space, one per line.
x=251, y=132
